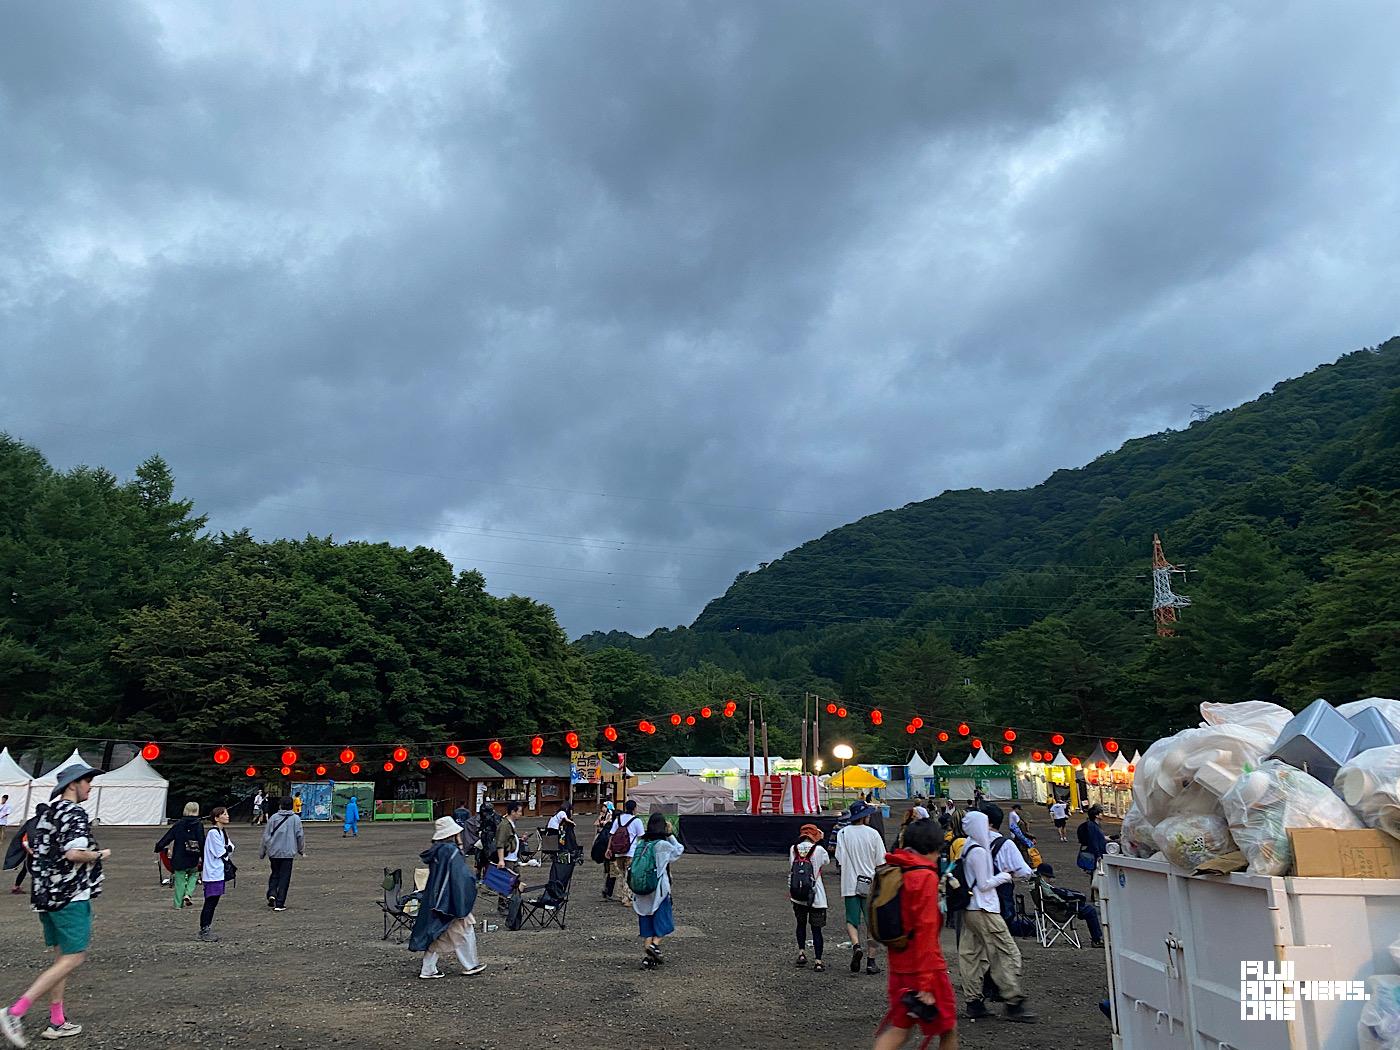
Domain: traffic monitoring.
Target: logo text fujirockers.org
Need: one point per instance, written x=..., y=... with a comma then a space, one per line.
x=1270, y=992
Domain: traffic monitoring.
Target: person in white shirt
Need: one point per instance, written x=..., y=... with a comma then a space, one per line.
x=563, y=822
x=986, y=945
x=217, y=852
x=4, y=816
x=619, y=860
x=655, y=916
x=860, y=849
x=1059, y=813
x=257, y=815
x=811, y=910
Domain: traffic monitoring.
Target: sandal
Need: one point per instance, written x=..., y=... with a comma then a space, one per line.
x=801, y=959
x=819, y=967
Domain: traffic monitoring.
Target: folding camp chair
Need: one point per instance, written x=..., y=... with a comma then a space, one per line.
x=1054, y=918
x=400, y=909
x=552, y=906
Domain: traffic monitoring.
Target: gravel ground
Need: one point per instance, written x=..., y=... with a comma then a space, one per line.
x=319, y=975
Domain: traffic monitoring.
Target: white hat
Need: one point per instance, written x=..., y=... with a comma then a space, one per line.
x=445, y=828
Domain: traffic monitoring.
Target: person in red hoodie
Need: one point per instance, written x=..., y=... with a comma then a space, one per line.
x=920, y=967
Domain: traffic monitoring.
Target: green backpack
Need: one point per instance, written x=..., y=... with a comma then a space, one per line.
x=643, y=876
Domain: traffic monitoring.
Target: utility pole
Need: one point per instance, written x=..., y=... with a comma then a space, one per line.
x=1164, y=602
x=805, y=700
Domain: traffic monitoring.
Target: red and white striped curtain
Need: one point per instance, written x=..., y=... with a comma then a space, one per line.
x=798, y=794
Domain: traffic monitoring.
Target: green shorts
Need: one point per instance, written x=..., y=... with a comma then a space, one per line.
x=855, y=911
x=70, y=928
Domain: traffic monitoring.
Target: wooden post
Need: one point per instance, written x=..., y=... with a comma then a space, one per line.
x=803, y=764
x=763, y=721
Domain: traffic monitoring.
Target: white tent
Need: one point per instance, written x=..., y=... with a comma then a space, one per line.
x=133, y=794
x=1060, y=759
x=939, y=760
x=43, y=786
x=14, y=782
x=980, y=759
x=687, y=794
x=1137, y=757
x=1119, y=763
x=916, y=766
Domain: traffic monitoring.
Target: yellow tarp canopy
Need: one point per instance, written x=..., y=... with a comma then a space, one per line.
x=856, y=778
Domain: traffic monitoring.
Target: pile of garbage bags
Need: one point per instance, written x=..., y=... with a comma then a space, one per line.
x=1251, y=771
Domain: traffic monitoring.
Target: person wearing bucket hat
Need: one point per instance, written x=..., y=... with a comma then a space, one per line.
x=860, y=849
x=66, y=876
x=445, y=922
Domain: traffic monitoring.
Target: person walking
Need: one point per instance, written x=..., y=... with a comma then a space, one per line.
x=1059, y=813
x=445, y=923
x=563, y=822
x=4, y=816
x=218, y=870
x=806, y=860
x=860, y=849
x=66, y=876
x=986, y=945
x=508, y=840
x=283, y=839
x=919, y=970
x=20, y=853
x=623, y=834
x=352, y=818
x=185, y=840
x=650, y=879
x=1093, y=843
x=487, y=823
x=256, y=817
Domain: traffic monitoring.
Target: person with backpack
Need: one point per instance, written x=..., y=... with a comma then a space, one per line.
x=986, y=945
x=860, y=849
x=904, y=916
x=1093, y=843
x=66, y=877
x=185, y=840
x=649, y=878
x=806, y=859
x=623, y=834
x=283, y=840
x=21, y=852
x=1006, y=856
x=487, y=821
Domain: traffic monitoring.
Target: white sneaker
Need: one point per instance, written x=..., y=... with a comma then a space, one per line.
x=431, y=976
x=474, y=970
x=63, y=1031
x=12, y=1028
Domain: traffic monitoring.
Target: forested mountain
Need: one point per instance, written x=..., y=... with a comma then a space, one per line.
x=1031, y=607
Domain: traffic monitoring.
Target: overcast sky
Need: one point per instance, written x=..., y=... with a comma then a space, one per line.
x=613, y=300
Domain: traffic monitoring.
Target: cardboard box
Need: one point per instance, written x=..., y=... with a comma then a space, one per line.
x=1326, y=853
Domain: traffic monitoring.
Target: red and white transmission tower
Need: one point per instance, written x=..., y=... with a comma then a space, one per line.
x=1165, y=603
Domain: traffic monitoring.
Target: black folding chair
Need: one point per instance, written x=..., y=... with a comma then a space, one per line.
x=552, y=906
x=400, y=909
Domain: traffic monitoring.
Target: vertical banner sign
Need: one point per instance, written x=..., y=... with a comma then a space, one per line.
x=585, y=767
x=622, y=762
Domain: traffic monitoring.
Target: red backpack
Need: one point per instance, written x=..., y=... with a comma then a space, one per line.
x=620, y=841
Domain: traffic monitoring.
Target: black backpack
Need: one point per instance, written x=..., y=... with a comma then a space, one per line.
x=802, y=879
x=958, y=889
x=1006, y=895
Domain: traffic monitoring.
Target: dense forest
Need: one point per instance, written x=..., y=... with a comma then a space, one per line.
x=126, y=619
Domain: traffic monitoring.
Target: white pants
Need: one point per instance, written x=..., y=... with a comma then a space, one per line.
x=460, y=939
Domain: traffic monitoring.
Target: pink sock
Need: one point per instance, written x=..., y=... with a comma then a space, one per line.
x=56, y=1014
x=21, y=1006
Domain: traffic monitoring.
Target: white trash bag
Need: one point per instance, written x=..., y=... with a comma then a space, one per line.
x=1189, y=841
x=1188, y=772
x=1137, y=835
x=1379, y=1026
x=1370, y=784
x=1261, y=715
x=1267, y=801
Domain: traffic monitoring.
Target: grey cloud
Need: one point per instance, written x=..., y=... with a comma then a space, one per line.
x=750, y=270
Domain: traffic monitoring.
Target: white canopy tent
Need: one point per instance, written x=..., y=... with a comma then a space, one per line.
x=688, y=794
x=14, y=782
x=43, y=786
x=981, y=758
x=133, y=794
x=939, y=760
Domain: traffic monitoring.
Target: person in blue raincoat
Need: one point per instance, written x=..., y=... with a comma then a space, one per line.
x=352, y=817
x=445, y=922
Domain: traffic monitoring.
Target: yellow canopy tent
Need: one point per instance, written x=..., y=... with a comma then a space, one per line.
x=854, y=778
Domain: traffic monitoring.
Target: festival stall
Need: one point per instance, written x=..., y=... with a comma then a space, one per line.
x=678, y=793
x=1112, y=788
x=1062, y=781
x=980, y=771
x=853, y=780
x=133, y=795
x=14, y=782
x=919, y=776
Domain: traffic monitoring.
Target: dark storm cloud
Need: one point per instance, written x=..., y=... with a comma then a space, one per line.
x=615, y=300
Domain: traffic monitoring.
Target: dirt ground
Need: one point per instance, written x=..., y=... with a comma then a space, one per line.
x=319, y=975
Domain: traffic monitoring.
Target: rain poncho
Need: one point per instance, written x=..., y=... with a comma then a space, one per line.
x=449, y=895
x=352, y=815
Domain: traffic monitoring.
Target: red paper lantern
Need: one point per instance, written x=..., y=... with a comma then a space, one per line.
x=1058, y=740
x=831, y=709
x=461, y=760
x=221, y=756
x=453, y=750
x=642, y=726
x=651, y=728
x=1035, y=756
x=1132, y=768
x=536, y=745
x=690, y=720
x=1006, y=749
x=289, y=757
x=910, y=729
x=150, y=752
x=571, y=738
x=286, y=771
x=423, y=763
x=916, y=722
x=1009, y=735
x=1111, y=747
x=840, y=712
x=496, y=750
x=943, y=736
x=1103, y=765
x=675, y=720
x=251, y=771
x=730, y=708
x=1074, y=762
x=610, y=734
x=876, y=717
x=347, y=756
x=400, y=754
x=976, y=744
x=355, y=768
x=388, y=767
x=320, y=771
x=705, y=712
x=963, y=729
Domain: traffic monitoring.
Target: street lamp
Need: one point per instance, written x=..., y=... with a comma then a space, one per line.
x=845, y=754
